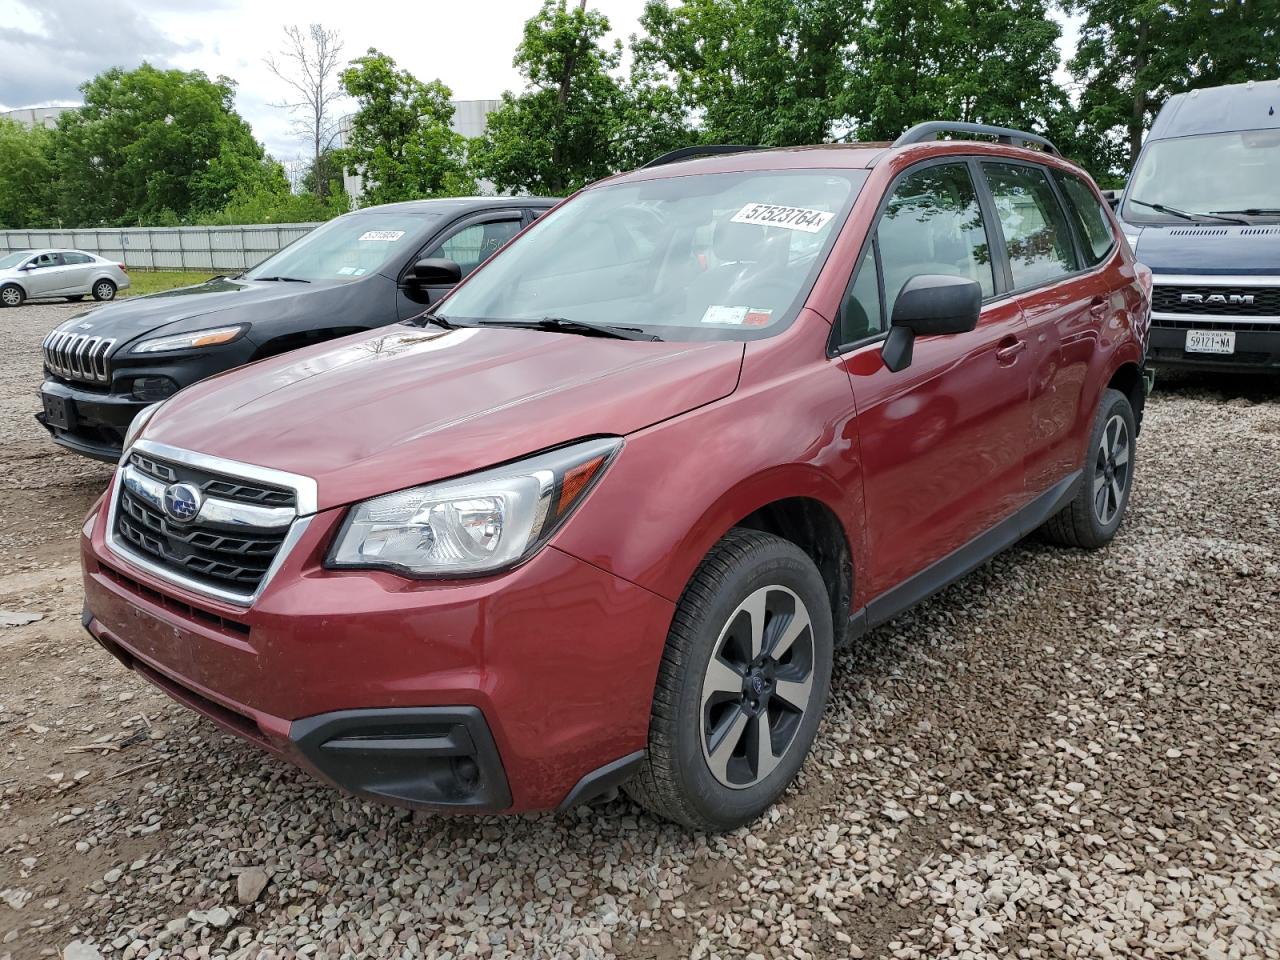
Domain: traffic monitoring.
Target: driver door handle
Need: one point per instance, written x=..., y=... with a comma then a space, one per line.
x=1009, y=349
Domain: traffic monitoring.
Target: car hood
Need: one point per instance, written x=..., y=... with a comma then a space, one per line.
x=219, y=301
x=387, y=409
x=1206, y=249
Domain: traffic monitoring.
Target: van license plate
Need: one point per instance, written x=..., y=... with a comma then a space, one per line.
x=1211, y=341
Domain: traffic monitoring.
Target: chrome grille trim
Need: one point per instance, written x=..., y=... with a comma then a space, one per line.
x=78, y=356
x=304, y=488
x=214, y=509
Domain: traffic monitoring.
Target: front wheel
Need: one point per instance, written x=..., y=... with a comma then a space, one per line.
x=11, y=295
x=1093, y=517
x=741, y=687
x=104, y=290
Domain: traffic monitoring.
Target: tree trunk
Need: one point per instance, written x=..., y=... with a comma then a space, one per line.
x=562, y=96
x=1138, y=118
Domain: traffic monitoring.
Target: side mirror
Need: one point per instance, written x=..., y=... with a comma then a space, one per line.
x=929, y=305
x=1113, y=198
x=435, y=272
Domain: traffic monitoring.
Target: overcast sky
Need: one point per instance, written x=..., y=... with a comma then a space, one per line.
x=49, y=47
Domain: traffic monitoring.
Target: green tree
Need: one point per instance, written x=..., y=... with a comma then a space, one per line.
x=149, y=143
x=400, y=140
x=1134, y=54
x=563, y=130
x=981, y=61
x=26, y=177
x=773, y=72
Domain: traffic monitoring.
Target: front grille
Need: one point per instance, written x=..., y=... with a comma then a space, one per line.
x=76, y=356
x=232, y=554
x=216, y=485
x=1234, y=302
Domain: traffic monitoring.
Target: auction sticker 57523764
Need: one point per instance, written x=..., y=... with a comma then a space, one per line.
x=792, y=218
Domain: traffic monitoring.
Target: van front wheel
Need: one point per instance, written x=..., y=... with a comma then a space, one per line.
x=741, y=687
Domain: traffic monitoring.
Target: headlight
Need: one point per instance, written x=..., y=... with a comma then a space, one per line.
x=475, y=524
x=137, y=426
x=190, y=341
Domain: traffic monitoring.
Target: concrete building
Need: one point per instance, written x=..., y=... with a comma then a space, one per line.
x=33, y=116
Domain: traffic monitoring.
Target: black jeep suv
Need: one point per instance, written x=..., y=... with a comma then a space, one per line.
x=361, y=270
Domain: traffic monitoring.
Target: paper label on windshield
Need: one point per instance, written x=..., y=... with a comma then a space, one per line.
x=737, y=316
x=388, y=236
x=791, y=218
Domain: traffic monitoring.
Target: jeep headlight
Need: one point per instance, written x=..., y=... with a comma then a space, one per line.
x=473, y=525
x=190, y=341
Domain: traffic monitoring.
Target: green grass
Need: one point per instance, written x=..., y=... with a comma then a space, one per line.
x=157, y=281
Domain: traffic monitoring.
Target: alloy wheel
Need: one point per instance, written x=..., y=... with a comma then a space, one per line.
x=757, y=686
x=11, y=297
x=1111, y=470
x=105, y=291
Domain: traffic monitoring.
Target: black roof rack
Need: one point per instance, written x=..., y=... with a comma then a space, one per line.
x=700, y=150
x=925, y=132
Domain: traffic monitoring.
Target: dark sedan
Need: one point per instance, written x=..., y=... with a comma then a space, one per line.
x=361, y=270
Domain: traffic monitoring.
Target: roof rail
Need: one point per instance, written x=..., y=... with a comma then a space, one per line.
x=699, y=150
x=924, y=132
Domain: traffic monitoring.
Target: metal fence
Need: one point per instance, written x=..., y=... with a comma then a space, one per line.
x=168, y=248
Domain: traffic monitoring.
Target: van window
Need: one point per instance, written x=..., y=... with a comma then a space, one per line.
x=933, y=224
x=1090, y=219
x=1035, y=228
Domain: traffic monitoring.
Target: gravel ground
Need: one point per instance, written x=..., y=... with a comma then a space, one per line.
x=1065, y=755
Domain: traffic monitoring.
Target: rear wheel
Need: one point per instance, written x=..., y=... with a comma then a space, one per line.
x=104, y=290
x=1093, y=517
x=741, y=687
x=11, y=295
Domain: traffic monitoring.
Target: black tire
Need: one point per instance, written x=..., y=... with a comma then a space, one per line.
x=104, y=290
x=12, y=295
x=76, y=299
x=676, y=781
x=1093, y=517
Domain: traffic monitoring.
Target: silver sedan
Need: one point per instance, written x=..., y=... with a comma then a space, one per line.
x=74, y=274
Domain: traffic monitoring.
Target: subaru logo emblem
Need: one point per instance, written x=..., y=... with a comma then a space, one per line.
x=182, y=501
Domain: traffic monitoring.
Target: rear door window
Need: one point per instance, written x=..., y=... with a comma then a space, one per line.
x=78, y=258
x=1036, y=234
x=933, y=224
x=1090, y=218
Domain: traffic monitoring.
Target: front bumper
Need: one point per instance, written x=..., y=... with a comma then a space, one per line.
x=516, y=692
x=95, y=422
x=1257, y=343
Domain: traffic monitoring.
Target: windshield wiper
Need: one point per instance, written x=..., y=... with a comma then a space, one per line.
x=1255, y=211
x=284, y=279
x=565, y=325
x=1175, y=212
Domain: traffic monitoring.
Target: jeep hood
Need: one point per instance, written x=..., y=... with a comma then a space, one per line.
x=220, y=301
x=1205, y=249
x=387, y=409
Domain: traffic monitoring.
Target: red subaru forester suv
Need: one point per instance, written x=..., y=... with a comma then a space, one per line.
x=602, y=516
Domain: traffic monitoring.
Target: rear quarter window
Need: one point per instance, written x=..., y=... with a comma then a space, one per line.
x=1091, y=220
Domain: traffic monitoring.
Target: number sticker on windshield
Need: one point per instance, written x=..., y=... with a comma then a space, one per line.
x=389, y=236
x=737, y=316
x=792, y=218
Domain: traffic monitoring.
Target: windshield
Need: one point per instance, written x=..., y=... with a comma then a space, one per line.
x=13, y=259
x=706, y=256
x=346, y=248
x=1221, y=172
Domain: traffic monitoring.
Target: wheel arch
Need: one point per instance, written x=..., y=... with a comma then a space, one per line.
x=15, y=283
x=1127, y=378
